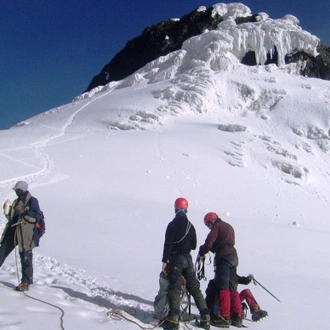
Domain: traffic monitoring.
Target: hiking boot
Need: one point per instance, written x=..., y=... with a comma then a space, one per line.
x=236, y=321
x=205, y=322
x=258, y=315
x=23, y=287
x=220, y=322
x=169, y=324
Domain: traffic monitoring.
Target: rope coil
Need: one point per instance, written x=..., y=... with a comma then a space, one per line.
x=117, y=315
x=200, y=268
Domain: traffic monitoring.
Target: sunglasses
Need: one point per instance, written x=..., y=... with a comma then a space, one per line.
x=209, y=225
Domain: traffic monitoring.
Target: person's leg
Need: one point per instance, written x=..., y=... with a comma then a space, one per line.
x=256, y=312
x=224, y=303
x=243, y=294
x=27, y=266
x=222, y=276
x=236, y=305
x=247, y=295
x=193, y=286
x=174, y=278
x=236, y=309
x=236, y=312
x=211, y=296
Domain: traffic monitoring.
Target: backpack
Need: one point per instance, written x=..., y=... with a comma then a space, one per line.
x=39, y=228
x=161, y=306
x=40, y=225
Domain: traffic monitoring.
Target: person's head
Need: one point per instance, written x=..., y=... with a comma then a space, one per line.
x=181, y=204
x=20, y=188
x=210, y=218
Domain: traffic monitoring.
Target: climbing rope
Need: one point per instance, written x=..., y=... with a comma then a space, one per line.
x=116, y=314
x=42, y=301
x=200, y=269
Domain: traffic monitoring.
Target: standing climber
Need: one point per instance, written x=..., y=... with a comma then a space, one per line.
x=19, y=230
x=221, y=241
x=180, y=239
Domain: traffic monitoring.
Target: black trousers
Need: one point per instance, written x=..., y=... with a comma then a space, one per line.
x=225, y=272
x=27, y=266
x=181, y=265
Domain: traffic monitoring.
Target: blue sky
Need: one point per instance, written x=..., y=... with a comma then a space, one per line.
x=50, y=50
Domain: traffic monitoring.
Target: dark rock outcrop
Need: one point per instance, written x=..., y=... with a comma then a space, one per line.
x=155, y=41
x=168, y=36
x=316, y=67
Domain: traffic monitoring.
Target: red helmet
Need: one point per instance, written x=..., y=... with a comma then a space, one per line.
x=209, y=217
x=181, y=203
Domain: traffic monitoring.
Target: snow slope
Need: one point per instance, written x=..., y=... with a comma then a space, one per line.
x=250, y=143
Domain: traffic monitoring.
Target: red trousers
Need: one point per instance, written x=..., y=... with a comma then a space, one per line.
x=247, y=295
x=230, y=303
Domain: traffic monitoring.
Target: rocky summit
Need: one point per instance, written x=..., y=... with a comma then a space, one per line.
x=169, y=35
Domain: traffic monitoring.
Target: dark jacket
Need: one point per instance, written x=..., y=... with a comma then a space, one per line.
x=180, y=227
x=220, y=240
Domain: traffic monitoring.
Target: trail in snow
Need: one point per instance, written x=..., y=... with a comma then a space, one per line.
x=39, y=148
x=50, y=272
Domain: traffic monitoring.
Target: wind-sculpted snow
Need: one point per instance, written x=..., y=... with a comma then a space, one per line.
x=231, y=10
x=234, y=92
x=265, y=35
x=232, y=128
x=298, y=172
x=192, y=78
x=262, y=37
x=194, y=91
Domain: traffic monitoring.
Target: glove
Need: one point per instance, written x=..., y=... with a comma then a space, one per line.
x=199, y=258
x=19, y=210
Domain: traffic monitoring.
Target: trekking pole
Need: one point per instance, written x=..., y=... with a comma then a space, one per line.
x=255, y=281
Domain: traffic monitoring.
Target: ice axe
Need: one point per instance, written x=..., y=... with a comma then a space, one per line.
x=255, y=282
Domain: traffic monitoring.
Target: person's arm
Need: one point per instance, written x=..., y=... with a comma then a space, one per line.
x=245, y=280
x=210, y=239
x=194, y=238
x=168, y=244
